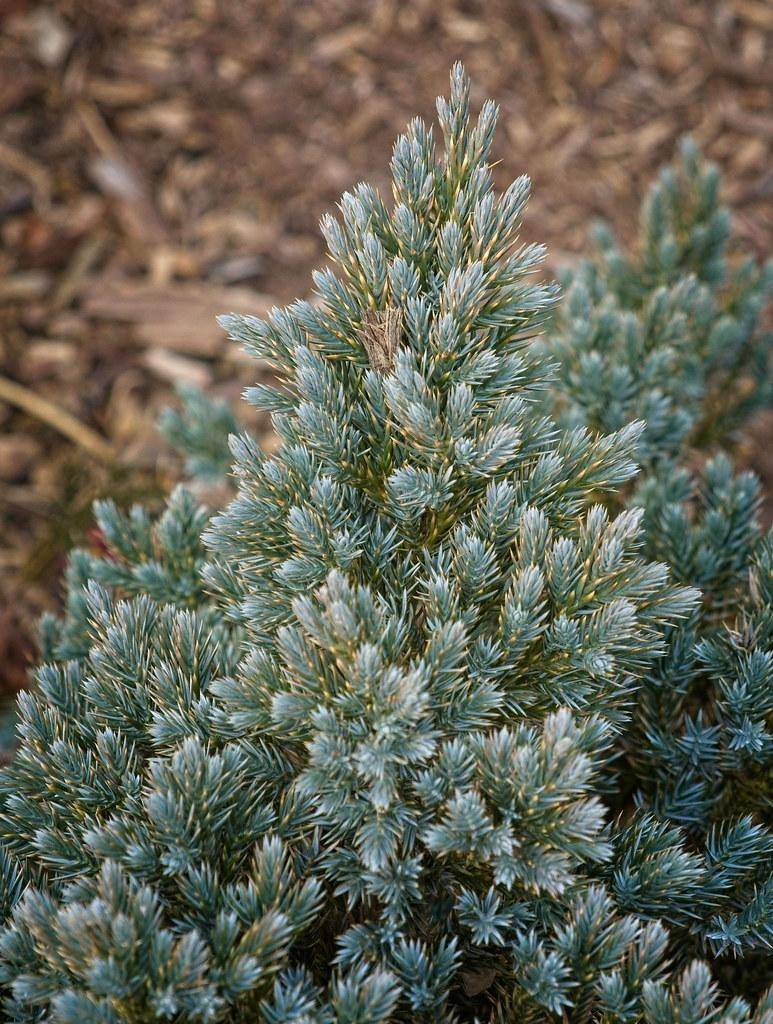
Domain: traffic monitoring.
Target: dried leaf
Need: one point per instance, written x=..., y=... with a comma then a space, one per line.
x=381, y=332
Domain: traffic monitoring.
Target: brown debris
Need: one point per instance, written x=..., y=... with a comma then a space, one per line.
x=176, y=316
x=18, y=453
x=380, y=335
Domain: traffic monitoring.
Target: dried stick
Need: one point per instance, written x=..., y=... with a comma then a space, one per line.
x=86, y=438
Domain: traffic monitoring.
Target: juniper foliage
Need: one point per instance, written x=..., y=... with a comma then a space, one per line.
x=673, y=334
x=358, y=767
x=670, y=335
x=200, y=430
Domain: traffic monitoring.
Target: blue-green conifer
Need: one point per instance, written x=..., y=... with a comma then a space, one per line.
x=357, y=750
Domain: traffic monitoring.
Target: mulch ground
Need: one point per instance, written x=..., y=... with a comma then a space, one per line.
x=163, y=161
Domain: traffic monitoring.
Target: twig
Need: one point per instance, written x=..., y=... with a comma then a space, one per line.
x=550, y=52
x=25, y=499
x=97, y=129
x=85, y=256
x=86, y=438
x=34, y=172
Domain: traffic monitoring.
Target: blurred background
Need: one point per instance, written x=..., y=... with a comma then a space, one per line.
x=162, y=161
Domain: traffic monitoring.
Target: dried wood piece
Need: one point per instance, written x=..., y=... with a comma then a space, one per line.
x=119, y=180
x=177, y=369
x=174, y=316
x=31, y=170
x=49, y=358
x=18, y=453
x=86, y=438
x=26, y=285
x=73, y=279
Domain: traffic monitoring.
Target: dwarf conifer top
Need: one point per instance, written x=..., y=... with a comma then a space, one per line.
x=352, y=753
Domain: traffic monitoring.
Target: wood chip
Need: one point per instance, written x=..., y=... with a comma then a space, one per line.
x=180, y=317
x=176, y=369
x=23, y=286
x=18, y=452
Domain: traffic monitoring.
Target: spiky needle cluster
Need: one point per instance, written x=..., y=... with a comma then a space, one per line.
x=370, y=777
x=671, y=335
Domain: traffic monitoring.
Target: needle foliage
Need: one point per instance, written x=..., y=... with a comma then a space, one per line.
x=434, y=721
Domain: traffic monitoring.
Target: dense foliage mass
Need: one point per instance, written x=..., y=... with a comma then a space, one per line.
x=669, y=336
x=439, y=719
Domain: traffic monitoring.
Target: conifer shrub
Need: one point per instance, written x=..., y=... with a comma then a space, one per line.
x=438, y=719
x=200, y=430
x=671, y=334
